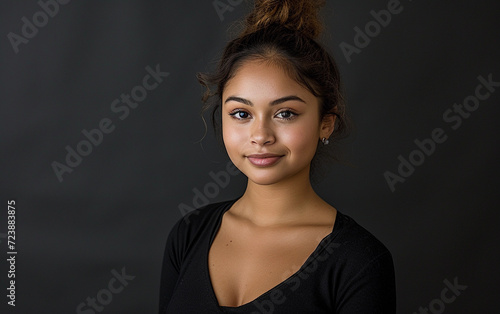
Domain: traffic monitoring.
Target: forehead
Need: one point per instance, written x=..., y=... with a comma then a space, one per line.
x=264, y=77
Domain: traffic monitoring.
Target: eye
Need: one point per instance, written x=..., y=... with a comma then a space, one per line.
x=239, y=114
x=286, y=115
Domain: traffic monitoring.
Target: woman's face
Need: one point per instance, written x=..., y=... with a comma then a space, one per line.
x=270, y=123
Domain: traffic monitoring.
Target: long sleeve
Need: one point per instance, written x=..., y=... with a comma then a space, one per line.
x=171, y=267
x=372, y=289
x=350, y=272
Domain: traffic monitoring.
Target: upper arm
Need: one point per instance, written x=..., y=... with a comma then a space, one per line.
x=170, y=267
x=372, y=289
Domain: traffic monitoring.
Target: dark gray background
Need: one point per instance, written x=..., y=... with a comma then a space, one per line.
x=117, y=207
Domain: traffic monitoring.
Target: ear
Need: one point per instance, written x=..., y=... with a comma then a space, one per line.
x=327, y=125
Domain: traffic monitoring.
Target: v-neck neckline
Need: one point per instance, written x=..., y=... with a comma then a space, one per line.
x=319, y=248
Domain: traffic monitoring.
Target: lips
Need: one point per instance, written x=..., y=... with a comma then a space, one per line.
x=264, y=160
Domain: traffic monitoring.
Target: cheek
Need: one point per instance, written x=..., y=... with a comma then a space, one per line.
x=230, y=136
x=302, y=139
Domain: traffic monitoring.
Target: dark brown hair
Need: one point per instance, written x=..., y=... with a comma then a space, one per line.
x=283, y=33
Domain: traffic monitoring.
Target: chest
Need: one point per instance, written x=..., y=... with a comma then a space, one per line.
x=245, y=263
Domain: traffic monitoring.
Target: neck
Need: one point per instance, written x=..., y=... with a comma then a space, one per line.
x=284, y=202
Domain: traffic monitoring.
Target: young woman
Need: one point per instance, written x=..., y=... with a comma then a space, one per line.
x=279, y=248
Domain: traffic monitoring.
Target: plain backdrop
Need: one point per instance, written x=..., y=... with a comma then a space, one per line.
x=406, y=81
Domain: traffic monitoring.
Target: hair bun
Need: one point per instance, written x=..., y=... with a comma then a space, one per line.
x=298, y=15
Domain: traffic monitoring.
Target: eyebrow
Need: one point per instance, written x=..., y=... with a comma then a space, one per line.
x=272, y=103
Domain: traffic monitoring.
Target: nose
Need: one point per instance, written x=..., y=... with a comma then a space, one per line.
x=262, y=132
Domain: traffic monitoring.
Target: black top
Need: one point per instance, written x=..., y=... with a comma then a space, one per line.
x=350, y=271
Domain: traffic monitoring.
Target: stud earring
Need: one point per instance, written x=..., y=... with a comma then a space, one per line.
x=325, y=141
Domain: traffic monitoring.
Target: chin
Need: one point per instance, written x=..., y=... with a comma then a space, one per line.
x=269, y=178
x=264, y=181
x=262, y=176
